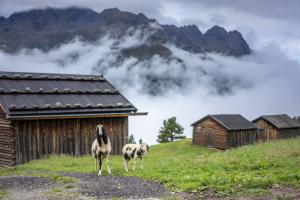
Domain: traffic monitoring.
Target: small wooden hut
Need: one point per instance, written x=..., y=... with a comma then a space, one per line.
x=42, y=114
x=224, y=131
x=277, y=127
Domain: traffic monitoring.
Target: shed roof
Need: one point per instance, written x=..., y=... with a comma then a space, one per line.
x=281, y=121
x=38, y=94
x=230, y=121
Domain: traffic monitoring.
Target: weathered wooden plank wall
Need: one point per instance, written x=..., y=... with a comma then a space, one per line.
x=288, y=133
x=38, y=138
x=242, y=137
x=261, y=136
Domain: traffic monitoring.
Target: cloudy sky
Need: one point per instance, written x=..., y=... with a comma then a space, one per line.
x=270, y=27
x=261, y=22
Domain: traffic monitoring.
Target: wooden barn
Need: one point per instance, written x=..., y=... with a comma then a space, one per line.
x=277, y=127
x=224, y=131
x=42, y=114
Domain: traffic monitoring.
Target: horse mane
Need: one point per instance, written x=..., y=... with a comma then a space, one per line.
x=104, y=135
x=98, y=137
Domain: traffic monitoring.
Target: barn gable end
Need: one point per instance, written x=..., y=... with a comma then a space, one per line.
x=43, y=114
x=208, y=132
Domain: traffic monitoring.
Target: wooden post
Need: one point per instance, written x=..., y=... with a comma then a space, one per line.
x=61, y=137
x=39, y=139
x=46, y=137
x=18, y=150
x=53, y=136
x=77, y=137
x=34, y=138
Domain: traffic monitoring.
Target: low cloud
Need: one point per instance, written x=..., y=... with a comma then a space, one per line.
x=190, y=85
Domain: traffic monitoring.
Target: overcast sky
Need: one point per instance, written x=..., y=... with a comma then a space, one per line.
x=261, y=22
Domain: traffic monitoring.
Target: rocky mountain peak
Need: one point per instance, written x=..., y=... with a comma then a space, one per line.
x=217, y=32
x=114, y=15
x=48, y=28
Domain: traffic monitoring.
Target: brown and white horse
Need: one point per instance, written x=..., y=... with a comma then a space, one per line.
x=101, y=148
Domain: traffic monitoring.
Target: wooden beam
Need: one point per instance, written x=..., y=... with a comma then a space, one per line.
x=77, y=137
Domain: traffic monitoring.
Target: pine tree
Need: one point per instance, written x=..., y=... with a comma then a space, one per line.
x=141, y=141
x=131, y=139
x=170, y=131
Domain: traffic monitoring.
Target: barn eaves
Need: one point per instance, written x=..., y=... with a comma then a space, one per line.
x=45, y=95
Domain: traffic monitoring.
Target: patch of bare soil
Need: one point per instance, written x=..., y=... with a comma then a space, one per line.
x=275, y=193
x=23, y=187
x=280, y=193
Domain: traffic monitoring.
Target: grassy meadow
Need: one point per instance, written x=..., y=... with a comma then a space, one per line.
x=182, y=166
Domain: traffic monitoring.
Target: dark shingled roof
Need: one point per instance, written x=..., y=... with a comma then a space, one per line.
x=231, y=121
x=280, y=121
x=35, y=94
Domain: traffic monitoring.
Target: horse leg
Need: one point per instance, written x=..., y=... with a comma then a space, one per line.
x=125, y=164
x=96, y=162
x=134, y=161
x=100, y=164
x=142, y=165
x=107, y=164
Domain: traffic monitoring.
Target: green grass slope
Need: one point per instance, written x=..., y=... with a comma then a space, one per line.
x=183, y=166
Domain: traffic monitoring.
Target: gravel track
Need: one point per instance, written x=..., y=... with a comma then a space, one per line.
x=118, y=186
x=89, y=186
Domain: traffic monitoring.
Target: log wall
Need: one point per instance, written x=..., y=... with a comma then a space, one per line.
x=39, y=138
x=7, y=142
x=209, y=133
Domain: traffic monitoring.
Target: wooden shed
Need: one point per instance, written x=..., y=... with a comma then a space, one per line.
x=277, y=127
x=224, y=131
x=42, y=114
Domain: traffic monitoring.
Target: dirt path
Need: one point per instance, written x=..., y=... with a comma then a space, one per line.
x=89, y=186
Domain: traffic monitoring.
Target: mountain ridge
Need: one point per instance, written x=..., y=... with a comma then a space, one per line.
x=48, y=28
